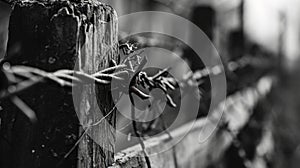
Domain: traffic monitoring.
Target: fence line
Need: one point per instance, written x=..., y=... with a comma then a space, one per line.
x=237, y=112
x=20, y=78
x=16, y=79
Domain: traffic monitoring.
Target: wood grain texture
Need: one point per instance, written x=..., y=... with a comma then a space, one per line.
x=54, y=35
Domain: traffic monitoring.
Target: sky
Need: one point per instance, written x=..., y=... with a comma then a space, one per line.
x=263, y=23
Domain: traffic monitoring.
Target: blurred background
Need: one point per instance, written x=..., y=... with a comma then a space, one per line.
x=257, y=28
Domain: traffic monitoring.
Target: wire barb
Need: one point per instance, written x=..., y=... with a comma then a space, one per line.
x=16, y=79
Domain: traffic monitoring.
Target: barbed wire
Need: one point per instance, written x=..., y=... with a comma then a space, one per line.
x=17, y=79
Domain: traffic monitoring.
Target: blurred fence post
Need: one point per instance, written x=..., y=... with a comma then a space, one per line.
x=54, y=35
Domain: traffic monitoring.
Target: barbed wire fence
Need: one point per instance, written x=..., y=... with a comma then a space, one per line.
x=16, y=79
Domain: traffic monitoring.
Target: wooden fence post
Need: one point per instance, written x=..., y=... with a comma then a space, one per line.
x=54, y=35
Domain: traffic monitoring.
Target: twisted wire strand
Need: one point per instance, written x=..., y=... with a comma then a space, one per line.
x=20, y=78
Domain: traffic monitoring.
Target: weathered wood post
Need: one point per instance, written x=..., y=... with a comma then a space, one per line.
x=54, y=35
